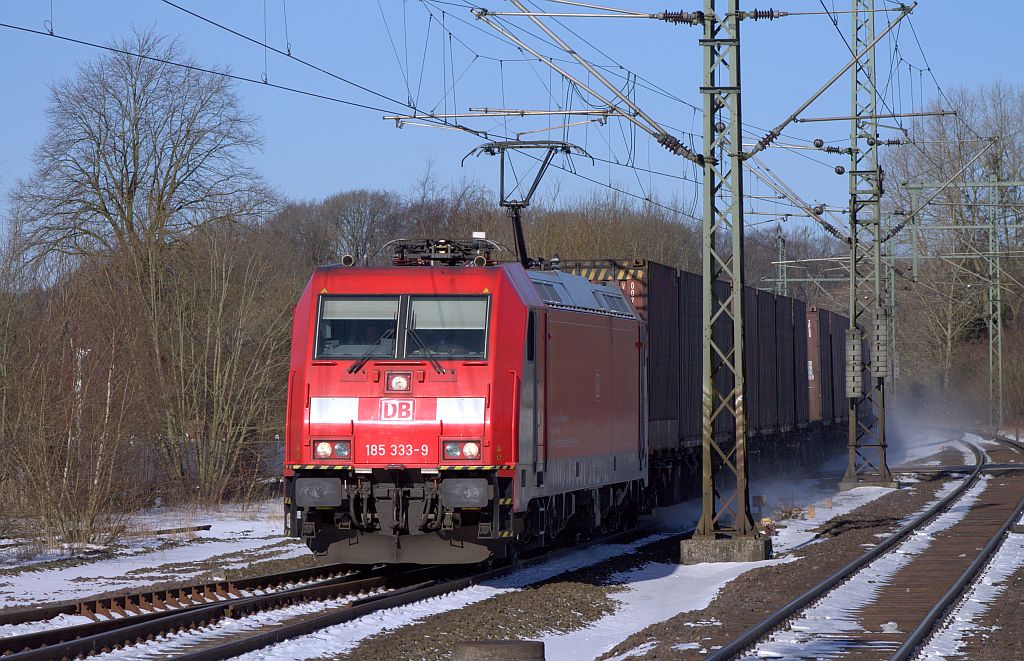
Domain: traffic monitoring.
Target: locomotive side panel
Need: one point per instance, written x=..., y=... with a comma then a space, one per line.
x=593, y=395
x=654, y=290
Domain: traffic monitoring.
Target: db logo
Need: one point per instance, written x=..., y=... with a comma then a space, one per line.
x=397, y=409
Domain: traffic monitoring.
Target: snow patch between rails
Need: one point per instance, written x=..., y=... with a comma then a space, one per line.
x=949, y=641
x=821, y=630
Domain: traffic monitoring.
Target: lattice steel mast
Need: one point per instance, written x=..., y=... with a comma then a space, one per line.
x=995, y=312
x=866, y=375
x=726, y=505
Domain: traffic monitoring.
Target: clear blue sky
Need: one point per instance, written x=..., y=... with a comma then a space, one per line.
x=413, y=49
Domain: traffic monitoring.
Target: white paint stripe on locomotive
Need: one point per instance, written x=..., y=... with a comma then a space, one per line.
x=326, y=410
x=461, y=410
x=339, y=410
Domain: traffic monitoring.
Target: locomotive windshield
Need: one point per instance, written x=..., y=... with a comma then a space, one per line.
x=352, y=326
x=431, y=326
x=447, y=327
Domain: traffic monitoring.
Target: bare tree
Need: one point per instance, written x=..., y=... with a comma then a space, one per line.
x=362, y=221
x=227, y=352
x=140, y=153
x=944, y=313
x=136, y=153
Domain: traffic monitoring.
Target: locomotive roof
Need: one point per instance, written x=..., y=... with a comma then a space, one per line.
x=567, y=291
x=557, y=289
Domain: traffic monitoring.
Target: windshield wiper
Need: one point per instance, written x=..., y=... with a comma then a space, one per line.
x=426, y=352
x=358, y=365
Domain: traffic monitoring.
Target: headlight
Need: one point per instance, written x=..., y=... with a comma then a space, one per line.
x=343, y=449
x=323, y=450
x=399, y=381
x=462, y=450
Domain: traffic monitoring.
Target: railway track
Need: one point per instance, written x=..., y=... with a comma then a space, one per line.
x=104, y=635
x=362, y=593
x=899, y=593
x=151, y=601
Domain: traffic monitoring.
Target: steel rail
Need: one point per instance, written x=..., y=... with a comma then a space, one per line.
x=759, y=631
x=924, y=630
x=125, y=605
x=97, y=637
x=391, y=600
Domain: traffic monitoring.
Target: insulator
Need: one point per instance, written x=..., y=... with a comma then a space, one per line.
x=840, y=169
x=764, y=14
x=835, y=150
x=671, y=143
x=893, y=141
x=768, y=139
x=819, y=143
x=678, y=17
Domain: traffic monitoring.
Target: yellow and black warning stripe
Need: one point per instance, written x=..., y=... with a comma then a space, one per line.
x=504, y=501
x=477, y=468
x=505, y=533
x=317, y=467
x=606, y=274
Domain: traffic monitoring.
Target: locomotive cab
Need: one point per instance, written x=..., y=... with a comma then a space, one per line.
x=420, y=425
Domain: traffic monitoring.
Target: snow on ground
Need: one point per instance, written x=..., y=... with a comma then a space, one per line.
x=653, y=589
x=236, y=539
x=966, y=618
x=984, y=442
x=820, y=630
x=655, y=594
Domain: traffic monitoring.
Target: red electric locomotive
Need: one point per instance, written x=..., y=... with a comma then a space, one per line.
x=450, y=410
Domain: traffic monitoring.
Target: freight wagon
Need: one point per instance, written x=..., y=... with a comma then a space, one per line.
x=795, y=371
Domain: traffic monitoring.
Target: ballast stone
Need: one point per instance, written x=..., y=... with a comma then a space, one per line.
x=738, y=549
